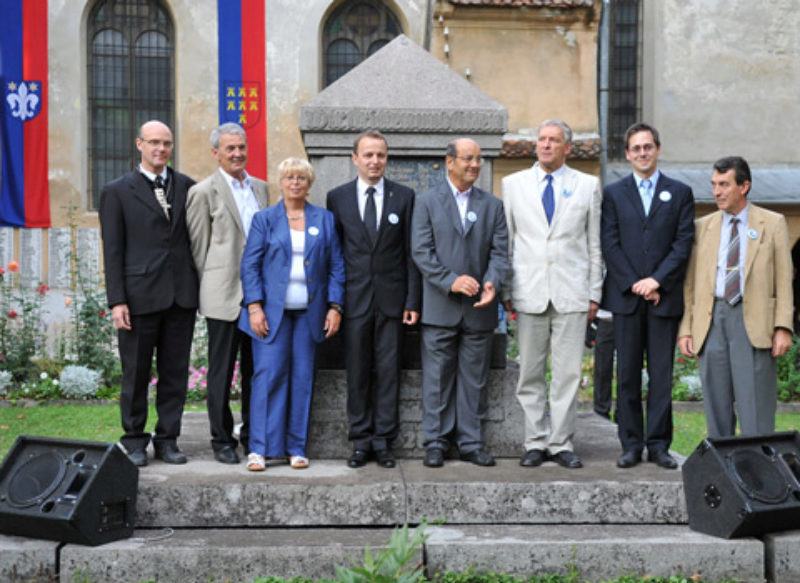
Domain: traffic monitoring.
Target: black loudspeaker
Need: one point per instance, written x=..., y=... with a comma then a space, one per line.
x=70, y=491
x=744, y=486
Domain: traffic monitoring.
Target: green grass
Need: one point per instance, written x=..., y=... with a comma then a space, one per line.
x=85, y=422
x=690, y=429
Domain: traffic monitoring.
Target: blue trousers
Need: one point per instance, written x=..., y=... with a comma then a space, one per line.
x=280, y=399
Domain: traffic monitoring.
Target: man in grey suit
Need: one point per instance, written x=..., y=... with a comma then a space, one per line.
x=460, y=244
x=218, y=213
x=553, y=215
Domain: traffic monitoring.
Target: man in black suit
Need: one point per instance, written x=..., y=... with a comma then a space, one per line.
x=151, y=283
x=373, y=219
x=647, y=230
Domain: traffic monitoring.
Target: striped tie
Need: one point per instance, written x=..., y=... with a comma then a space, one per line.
x=732, y=287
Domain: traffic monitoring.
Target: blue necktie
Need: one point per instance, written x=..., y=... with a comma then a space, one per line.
x=548, y=201
x=647, y=197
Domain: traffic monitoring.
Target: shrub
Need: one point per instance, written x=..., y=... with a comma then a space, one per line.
x=79, y=382
x=5, y=382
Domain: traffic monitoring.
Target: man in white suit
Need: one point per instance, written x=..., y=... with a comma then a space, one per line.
x=553, y=216
x=218, y=214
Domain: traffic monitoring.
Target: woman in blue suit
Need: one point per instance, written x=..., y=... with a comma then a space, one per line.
x=293, y=282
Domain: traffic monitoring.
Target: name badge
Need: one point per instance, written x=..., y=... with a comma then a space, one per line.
x=393, y=218
x=753, y=234
x=313, y=231
x=472, y=217
x=665, y=196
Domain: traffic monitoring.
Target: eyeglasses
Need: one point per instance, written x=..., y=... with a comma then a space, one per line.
x=470, y=159
x=159, y=143
x=295, y=178
x=647, y=148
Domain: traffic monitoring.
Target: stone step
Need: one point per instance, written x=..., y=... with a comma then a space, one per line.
x=205, y=493
x=596, y=552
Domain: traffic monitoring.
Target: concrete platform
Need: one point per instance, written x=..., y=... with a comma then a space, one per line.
x=209, y=494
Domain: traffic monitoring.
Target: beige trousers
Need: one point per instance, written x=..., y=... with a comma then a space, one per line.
x=561, y=335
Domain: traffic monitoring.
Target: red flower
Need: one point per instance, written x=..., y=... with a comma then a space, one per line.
x=102, y=313
x=12, y=314
x=43, y=289
x=13, y=265
x=681, y=360
x=514, y=316
x=2, y=271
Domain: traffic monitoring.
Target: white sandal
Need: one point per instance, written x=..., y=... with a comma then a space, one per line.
x=256, y=462
x=298, y=462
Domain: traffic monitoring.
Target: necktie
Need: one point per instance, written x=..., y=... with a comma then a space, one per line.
x=732, y=277
x=647, y=196
x=161, y=195
x=371, y=215
x=548, y=200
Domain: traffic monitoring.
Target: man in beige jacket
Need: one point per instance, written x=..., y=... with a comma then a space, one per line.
x=218, y=213
x=738, y=294
x=553, y=216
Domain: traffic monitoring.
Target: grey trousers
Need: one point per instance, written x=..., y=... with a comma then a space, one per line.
x=733, y=372
x=455, y=370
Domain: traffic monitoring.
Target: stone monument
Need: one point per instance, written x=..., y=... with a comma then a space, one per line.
x=418, y=103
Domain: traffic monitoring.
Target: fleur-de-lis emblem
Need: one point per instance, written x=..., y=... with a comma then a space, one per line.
x=23, y=100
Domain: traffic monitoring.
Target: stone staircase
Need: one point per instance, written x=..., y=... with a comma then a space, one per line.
x=209, y=522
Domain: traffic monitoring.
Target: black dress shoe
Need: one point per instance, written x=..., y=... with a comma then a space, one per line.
x=358, y=459
x=567, y=459
x=385, y=458
x=532, y=458
x=170, y=454
x=138, y=457
x=662, y=459
x=434, y=457
x=629, y=458
x=478, y=457
x=226, y=455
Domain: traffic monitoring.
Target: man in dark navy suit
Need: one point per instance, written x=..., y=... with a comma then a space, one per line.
x=646, y=233
x=151, y=284
x=373, y=220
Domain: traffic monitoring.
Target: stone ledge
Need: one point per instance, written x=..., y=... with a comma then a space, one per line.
x=598, y=552
x=782, y=552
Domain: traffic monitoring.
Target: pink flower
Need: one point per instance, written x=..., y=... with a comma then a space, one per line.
x=2, y=271
x=12, y=314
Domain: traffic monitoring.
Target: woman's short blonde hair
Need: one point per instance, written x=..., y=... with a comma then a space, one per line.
x=294, y=165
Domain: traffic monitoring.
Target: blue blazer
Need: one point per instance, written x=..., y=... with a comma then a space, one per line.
x=267, y=260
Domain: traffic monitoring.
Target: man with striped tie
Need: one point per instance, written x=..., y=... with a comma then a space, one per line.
x=738, y=295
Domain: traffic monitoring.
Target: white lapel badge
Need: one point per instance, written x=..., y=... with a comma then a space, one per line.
x=753, y=234
x=566, y=193
x=313, y=231
x=665, y=196
x=472, y=217
x=393, y=218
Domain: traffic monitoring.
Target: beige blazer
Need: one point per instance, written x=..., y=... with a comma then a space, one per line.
x=217, y=237
x=561, y=262
x=767, y=297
